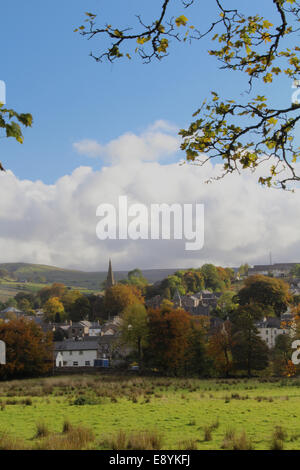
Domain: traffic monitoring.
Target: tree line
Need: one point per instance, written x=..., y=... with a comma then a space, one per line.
x=167, y=339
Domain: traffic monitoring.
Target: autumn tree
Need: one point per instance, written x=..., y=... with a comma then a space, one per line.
x=29, y=351
x=271, y=293
x=134, y=328
x=54, y=310
x=55, y=290
x=169, y=334
x=119, y=297
x=281, y=354
x=241, y=134
x=220, y=348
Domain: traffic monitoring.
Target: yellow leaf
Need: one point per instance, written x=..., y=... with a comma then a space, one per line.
x=181, y=21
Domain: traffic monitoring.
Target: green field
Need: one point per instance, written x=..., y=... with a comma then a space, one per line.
x=184, y=413
x=9, y=289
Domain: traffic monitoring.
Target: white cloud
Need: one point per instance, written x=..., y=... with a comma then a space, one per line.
x=56, y=224
x=153, y=144
x=90, y=148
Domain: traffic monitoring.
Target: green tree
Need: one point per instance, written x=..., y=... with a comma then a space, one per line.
x=245, y=42
x=69, y=297
x=29, y=297
x=226, y=305
x=10, y=123
x=136, y=278
x=243, y=269
x=295, y=271
x=25, y=306
x=170, y=284
x=271, y=293
x=80, y=309
x=11, y=302
x=249, y=351
x=211, y=277
x=196, y=361
x=134, y=329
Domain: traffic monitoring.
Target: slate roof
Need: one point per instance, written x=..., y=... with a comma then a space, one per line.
x=12, y=310
x=75, y=345
x=271, y=322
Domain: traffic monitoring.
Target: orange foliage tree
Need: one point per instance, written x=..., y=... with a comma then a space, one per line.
x=29, y=351
x=55, y=290
x=220, y=348
x=169, y=335
x=121, y=296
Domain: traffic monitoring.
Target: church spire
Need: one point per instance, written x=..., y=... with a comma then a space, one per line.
x=110, y=281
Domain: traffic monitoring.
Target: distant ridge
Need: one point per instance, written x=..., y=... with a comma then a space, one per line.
x=70, y=277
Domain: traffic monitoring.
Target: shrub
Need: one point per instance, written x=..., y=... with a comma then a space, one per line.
x=276, y=444
x=192, y=422
x=67, y=426
x=41, y=430
x=279, y=433
x=11, y=443
x=242, y=442
x=207, y=433
x=145, y=440
x=86, y=400
x=189, y=444
x=233, y=442
x=77, y=438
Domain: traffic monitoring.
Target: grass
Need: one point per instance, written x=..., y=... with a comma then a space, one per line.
x=106, y=412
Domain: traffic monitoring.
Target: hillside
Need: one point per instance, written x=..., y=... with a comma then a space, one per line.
x=42, y=274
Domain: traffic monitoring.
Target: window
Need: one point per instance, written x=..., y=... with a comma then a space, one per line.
x=75, y=363
x=70, y=353
x=81, y=352
x=87, y=363
x=65, y=363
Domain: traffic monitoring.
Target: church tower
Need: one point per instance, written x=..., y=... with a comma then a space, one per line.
x=110, y=280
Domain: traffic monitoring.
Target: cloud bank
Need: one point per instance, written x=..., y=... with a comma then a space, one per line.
x=56, y=224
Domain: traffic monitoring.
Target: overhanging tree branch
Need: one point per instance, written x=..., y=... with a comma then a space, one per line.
x=248, y=44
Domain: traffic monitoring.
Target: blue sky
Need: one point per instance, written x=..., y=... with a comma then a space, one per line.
x=48, y=72
x=48, y=200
